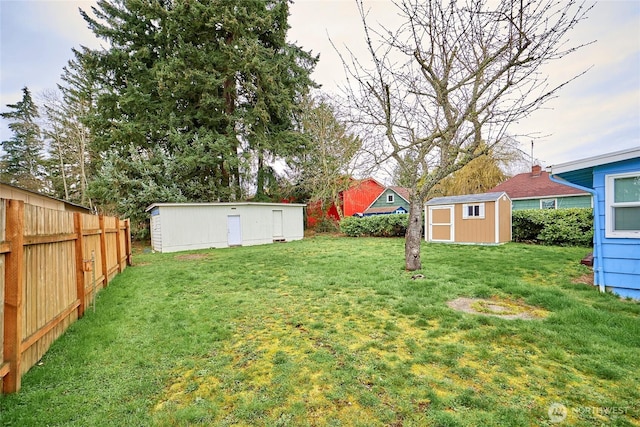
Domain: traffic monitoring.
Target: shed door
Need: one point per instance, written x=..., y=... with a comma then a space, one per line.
x=234, y=233
x=441, y=223
x=277, y=225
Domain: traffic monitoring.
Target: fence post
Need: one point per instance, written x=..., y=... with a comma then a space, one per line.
x=79, y=249
x=118, y=248
x=127, y=239
x=103, y=252
x=13, y=294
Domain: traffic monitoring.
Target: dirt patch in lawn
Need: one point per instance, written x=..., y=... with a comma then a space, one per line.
x=498, y=307
x=585, y=279
x=191, y=257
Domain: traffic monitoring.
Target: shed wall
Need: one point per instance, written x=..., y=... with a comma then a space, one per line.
x=504, y=220
x=493, y=228
x=476, y=230
x=620, y=256
x=200, y=227
x=156, y=230
x=7, y=192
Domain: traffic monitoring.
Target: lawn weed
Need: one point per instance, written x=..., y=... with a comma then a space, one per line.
x=333, y=332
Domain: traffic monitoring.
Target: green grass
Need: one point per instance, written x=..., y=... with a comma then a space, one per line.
x=333, y=332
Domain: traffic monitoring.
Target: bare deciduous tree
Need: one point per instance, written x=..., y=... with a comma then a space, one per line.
x=451, y=80
x=327, y=166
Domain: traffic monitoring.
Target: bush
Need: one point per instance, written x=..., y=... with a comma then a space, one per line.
x=561, y=227
x=394, y=225
x=327, y=225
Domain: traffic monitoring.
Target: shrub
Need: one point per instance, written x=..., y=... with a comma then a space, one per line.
x=327, y=225
x=562, y=227
x=394, y=225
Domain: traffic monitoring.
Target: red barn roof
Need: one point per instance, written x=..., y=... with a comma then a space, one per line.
x=534, y=184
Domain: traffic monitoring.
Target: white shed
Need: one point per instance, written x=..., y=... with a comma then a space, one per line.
x=185, y=226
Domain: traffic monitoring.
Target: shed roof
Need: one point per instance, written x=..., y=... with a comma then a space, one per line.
x=467, y=198
x=535, y=184
x=223, y=204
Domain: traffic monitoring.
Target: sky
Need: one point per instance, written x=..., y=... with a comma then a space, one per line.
x=595, y=114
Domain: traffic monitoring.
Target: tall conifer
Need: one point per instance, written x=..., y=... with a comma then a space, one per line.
x=21, y=163
x=212, y=85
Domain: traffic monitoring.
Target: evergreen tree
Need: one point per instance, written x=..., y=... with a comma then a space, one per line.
x=212, y=85
x=132, y=180
x=21, y=163
x=70, y=142
x=79, y=94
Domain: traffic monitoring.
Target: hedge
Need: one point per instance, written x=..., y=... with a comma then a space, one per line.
x=560, y=227
x=375, y=226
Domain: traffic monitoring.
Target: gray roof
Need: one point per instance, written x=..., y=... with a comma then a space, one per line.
x=467, y=198
x=222, y=204
x=383, y=209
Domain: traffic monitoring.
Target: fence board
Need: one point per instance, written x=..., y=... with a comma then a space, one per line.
x=4, y=367
x=48, y=278
x=45, y=284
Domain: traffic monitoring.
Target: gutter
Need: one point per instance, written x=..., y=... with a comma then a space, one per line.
x=597, y=236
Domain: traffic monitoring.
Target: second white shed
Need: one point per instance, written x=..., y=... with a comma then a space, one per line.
x=186, y=226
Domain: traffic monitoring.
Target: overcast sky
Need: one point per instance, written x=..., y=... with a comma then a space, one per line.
x=596, y=114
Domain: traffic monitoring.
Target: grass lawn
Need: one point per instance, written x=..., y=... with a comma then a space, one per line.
x=333, y=332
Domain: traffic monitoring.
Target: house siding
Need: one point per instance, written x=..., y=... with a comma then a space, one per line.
x=561, y=202
x=381, y=201
x=620, y=261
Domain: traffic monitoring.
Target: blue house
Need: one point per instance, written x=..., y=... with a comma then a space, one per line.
x=614, y=181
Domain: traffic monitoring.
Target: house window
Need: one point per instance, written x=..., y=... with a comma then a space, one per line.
x=390, y=198
x=473, y=211
x=622, y=214
x=548, y=204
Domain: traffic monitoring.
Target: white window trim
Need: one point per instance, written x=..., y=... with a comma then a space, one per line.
x=610, y=206
x=555, y=203
x=390, y=198
x=465, y=211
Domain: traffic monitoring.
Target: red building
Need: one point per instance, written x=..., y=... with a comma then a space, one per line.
x=360, y=195
x=354, y=200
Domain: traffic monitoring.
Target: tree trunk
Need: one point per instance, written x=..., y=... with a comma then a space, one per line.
x=260, y=179
x=413, y=238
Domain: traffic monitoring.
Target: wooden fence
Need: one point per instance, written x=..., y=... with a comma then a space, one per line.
x=51, y=265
